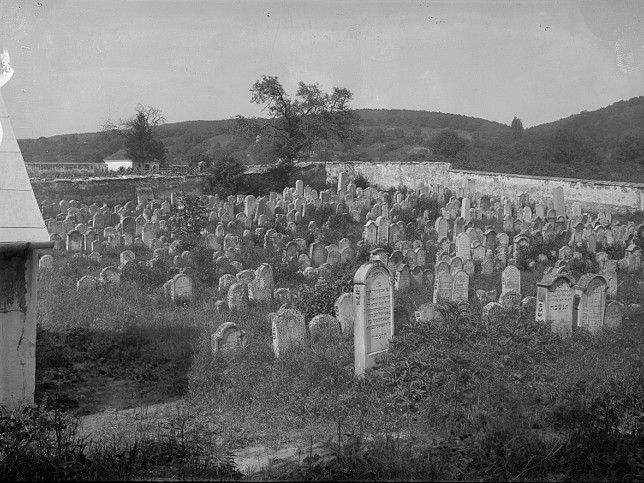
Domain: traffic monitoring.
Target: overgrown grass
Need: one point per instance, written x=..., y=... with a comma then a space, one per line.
x=461, y=400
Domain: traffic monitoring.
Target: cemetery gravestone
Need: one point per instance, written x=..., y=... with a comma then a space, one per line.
x=591, y=289
x=374, y=324
x=555, y=302
x=511, y=280
x=181, y=289
x=228, y=337
x=613, y=314
x=288, y=330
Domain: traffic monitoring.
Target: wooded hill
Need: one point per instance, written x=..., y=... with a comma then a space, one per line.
x=606, y=144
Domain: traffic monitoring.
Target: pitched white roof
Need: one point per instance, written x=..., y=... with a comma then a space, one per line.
x=21, y=222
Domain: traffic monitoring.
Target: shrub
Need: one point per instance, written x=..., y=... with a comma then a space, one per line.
x=319, y=298
x=189, y=219
x=361, y=181
x=225, y=177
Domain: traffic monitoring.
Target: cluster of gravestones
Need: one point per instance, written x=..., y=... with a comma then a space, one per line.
x=461, y=248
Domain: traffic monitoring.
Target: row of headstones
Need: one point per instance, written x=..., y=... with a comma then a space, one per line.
x=569, y=305
x=368, y=312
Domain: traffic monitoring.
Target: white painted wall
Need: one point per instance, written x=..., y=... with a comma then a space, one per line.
x=116, y=165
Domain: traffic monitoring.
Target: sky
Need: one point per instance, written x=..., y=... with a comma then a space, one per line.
x=79, y=63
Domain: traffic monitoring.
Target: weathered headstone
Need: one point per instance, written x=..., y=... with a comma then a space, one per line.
x=510, y=279
x=288, y=330
x=374, y=324
x=555, y=302
x=228, y=337
x=180, y=289
x=591, y=289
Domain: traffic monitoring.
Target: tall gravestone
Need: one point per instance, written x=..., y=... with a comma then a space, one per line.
x=22, y=233
x=555, y=303
x=558, y=200
x=591, y=289
x=374, y=313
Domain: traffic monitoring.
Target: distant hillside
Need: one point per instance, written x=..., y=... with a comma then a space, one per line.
x=604, y=144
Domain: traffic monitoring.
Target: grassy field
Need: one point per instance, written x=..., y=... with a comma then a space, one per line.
x=461, y=400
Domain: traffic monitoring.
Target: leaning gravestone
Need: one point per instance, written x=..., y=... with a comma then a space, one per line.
x=613, y=314
x=87, y=283
x=110, y=276
x=228, y=337
x=288, y=330
x=237, y=297
x=374, y=312
x=345, y=313
x=259, y=291
x=324, y=326
x=46, y=263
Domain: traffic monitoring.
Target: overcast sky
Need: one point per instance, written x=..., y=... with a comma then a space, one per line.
x=79, y=62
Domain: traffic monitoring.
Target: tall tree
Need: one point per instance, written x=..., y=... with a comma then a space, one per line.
x=517, y=128
x=140, y=135
x=297, y=125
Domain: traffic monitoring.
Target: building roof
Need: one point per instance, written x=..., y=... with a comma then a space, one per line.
x=21, y=223
x=120, y=155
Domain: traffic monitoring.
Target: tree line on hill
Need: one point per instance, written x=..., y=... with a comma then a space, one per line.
x=312, y=125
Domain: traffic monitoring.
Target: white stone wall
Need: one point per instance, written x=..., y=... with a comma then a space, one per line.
x=592, y=194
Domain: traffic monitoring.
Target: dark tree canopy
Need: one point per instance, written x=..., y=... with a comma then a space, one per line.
x=225, y=177
x=631, y=149
x=297, y=125
x=517, y=128
x=449, y=144
x=140, y=137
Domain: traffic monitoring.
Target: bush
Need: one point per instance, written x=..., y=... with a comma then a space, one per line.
x=319, y=298
x=225, y=177
x=189, y=220
x=361, y=181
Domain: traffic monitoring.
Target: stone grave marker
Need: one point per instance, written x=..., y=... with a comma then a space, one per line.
x=288, y=330
x=259, y=291
x=110, y=276
x=443, y=284
x=555, y=302
x=402, y=282
x=74, y=241
x=460, y=286
x=487, y=266
x=591, y=289
x=345, y=313
x=237, y=297
x=463, y=246
x=510, y=299
x=87, y=283
x=510, y=279
x=324, y=326
x=374, y=315
x=429, y=312
x=180, y=289
x=609, y=272
x=613, y=314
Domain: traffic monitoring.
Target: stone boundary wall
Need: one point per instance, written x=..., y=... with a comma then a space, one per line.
x=590, y=193
x=119, y=190
x=113, y=190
